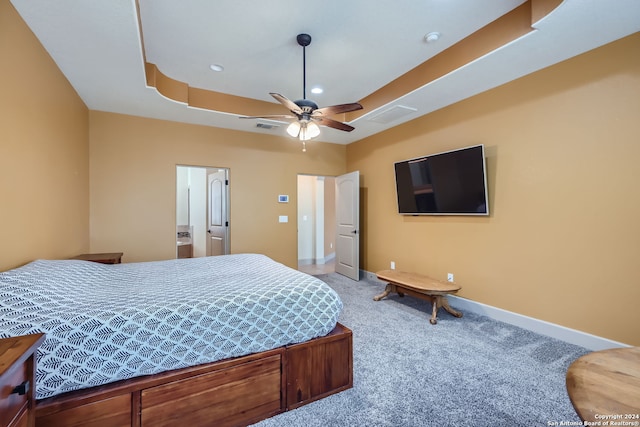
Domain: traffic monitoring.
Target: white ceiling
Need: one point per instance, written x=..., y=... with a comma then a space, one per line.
x=358, y=46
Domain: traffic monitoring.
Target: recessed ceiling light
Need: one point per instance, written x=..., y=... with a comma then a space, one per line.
x=216, y=67
x=317, y=90
x=432, y=37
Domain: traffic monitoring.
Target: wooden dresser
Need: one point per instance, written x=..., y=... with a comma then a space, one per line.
x=17, y=380
x=103, y=258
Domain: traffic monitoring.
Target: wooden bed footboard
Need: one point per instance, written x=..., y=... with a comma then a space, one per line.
x=232, y=392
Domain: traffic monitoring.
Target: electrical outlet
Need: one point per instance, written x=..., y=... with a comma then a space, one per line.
x=450, y=277
x=393, y=265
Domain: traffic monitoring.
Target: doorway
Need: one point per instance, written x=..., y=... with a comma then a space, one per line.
x=316, y=224
x=202, y=211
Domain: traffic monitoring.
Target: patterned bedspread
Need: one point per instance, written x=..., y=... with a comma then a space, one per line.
x=110, y=322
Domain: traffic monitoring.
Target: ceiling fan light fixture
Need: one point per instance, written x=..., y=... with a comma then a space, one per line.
x=311, y=130
x=303, y=130
x=294, y=129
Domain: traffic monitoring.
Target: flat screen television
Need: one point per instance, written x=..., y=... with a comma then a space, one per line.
x=449, y=183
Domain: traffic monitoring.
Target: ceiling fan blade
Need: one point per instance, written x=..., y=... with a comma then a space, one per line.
x=287, y=103
x=338, y=109
x=276, y=116
x=325, y=121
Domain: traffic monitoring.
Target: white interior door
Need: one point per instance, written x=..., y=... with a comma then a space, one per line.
x=348, y=225
x=217, y=213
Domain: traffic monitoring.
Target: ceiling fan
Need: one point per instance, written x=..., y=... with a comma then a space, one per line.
x=306, y=112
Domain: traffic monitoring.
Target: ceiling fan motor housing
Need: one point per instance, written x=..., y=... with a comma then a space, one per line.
x=306, y=105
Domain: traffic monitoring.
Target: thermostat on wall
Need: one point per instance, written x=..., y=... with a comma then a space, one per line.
x=283, y=198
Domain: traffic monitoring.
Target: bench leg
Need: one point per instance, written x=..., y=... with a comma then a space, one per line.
x=390, y=288
x=441, y=301
x=444, y=302
x=434, y=311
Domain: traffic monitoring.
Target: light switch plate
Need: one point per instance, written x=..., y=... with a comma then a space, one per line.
x=283, y=218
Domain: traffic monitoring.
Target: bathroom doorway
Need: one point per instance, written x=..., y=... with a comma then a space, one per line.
x=316, y=224
x=202, y=211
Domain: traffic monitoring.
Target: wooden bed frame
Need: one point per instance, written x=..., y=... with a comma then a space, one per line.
x=231, y=392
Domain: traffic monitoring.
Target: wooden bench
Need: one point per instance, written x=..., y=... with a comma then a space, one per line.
x=419, y=286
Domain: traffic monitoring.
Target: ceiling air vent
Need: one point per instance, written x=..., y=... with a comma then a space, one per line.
x=267, y=125
x=391, y=114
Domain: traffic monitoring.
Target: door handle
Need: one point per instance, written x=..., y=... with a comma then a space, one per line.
x=354, y=232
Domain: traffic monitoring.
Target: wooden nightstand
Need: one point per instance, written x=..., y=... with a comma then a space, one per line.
x=17, y=380
x=104, y=258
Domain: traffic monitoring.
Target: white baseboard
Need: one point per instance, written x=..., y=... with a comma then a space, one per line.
x=310, y=261
x=542, y=327
x=364, y=274
x=330, y=257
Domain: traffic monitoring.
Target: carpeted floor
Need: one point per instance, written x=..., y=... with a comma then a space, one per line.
x=472, y=371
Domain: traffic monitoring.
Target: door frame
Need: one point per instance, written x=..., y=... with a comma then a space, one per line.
x=321, y=248
x=355, y=251
x=204, y=195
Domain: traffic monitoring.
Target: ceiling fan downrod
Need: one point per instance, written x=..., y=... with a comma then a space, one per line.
x=304, y=40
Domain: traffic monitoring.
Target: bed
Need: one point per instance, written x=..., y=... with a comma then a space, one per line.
x=222, y=340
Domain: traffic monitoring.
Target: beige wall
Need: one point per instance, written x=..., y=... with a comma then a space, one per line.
x=563, y=240
x=133, y=184
x=44, y=152
x=560, y=245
